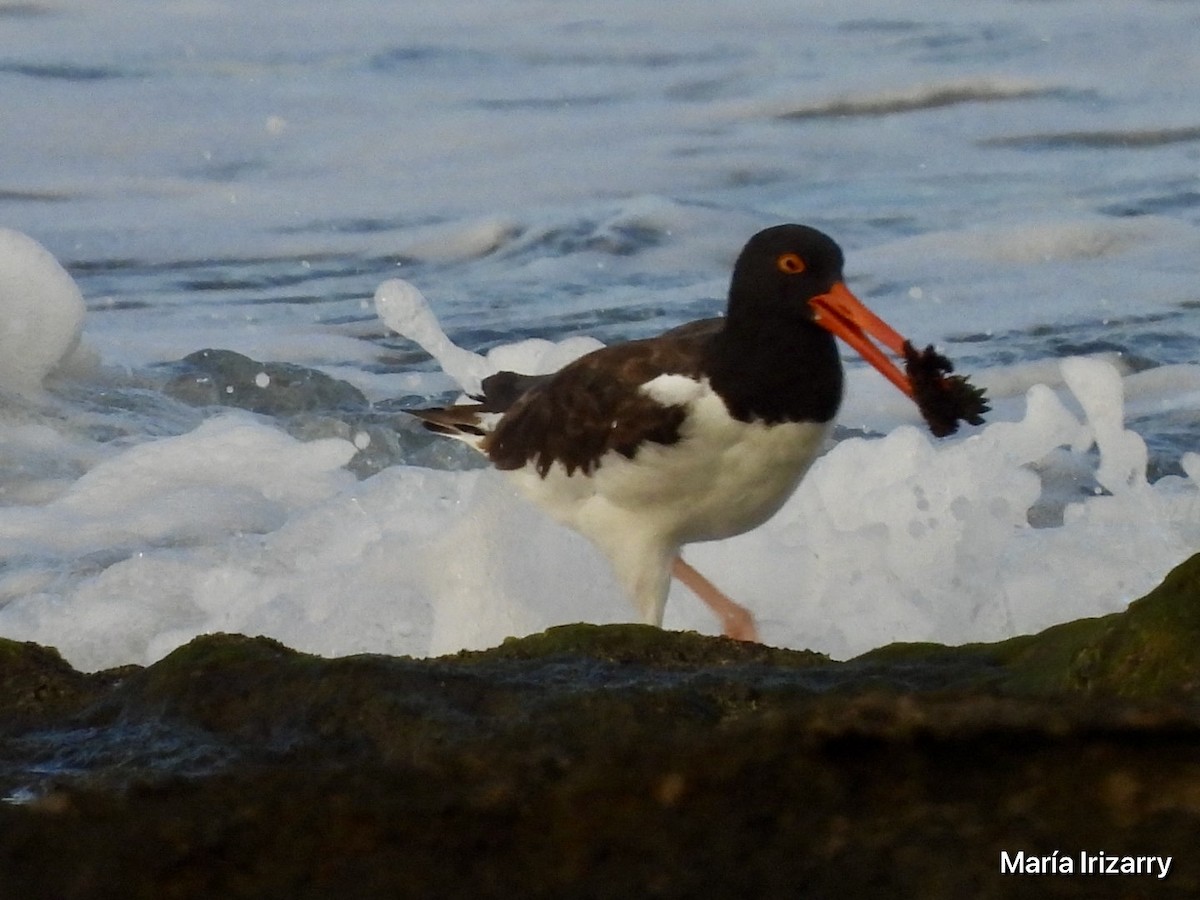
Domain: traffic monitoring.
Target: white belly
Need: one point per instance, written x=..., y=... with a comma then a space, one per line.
x=723, y=477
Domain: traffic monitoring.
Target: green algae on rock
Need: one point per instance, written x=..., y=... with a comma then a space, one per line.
x=607, y=761
x=644, y=644
x=36, y=681
x=1149, y=650
x=1152, y=649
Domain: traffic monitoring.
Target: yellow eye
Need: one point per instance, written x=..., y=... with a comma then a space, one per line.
x=790, y=264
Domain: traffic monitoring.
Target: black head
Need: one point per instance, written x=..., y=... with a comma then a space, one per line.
x=773, y=360
x=781, y=268
x=776, y=355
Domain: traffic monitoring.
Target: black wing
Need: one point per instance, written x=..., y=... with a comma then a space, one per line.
x=593, y=406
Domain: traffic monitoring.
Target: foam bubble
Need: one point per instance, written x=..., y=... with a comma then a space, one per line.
x=1123, y=454
x=404, y=309
x=41, y=313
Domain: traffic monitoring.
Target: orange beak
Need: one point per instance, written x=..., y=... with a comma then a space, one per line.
x=840, y=312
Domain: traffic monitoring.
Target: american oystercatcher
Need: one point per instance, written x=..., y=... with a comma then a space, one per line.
x=702, y=432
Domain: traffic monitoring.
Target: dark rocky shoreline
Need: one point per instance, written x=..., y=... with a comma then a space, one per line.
x=615, y=761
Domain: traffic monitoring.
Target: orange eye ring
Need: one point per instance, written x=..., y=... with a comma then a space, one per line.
x=790, y=264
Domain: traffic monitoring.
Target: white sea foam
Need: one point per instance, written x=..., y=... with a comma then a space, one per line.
x=404, y=309
x=234, y=526
x=893, y=539
x=41, y=313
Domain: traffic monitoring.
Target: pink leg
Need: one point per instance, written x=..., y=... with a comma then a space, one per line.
x=736, y=621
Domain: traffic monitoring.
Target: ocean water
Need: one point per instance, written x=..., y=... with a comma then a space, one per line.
x=1017, y=181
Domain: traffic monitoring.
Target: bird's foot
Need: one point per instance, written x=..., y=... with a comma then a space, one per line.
x=737, y=622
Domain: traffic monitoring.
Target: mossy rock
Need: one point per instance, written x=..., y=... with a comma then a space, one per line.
x=608, y=761
x=644, y=645
x=36, y=681
x=1151, y=650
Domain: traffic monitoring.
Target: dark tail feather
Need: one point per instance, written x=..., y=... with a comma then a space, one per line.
x=452, y=420
x=500, y=391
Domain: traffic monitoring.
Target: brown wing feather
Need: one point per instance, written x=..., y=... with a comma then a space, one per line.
x=595, y=406
x=502, y=390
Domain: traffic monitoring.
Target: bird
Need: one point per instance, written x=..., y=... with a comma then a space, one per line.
x=702, y=432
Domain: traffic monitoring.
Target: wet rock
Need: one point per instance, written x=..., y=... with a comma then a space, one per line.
x=311, y=405
x=37, y=683
x=224, y=378
x=1149, y=651
x=621, y=761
